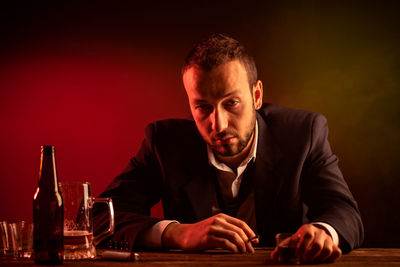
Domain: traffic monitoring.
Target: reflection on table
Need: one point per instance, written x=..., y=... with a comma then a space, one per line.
x=359, y=257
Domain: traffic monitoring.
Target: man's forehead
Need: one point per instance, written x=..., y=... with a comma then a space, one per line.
x=221, y=81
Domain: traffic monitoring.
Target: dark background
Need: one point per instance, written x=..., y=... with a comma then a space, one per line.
x=89, y=76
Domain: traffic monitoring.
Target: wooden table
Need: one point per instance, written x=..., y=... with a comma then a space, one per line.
x=359, y=257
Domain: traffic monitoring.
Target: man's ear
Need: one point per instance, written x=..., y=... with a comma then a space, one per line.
x=258, y=94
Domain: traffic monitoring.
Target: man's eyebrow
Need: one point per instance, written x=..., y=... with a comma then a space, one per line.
x=202, y=101
x=199, y=101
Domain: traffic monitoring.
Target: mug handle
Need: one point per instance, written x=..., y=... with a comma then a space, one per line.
x=100, y=237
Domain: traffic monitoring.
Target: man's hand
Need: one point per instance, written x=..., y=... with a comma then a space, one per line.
x=314, y=245
x=218, y=231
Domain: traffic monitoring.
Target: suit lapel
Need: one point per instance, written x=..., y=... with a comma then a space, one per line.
x=267, y=182
x=200, y=188
x=201, y=191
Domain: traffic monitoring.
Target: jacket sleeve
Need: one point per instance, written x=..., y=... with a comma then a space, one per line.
x=133, y=193
x=325, y=191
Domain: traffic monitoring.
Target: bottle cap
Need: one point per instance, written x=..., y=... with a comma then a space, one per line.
x=48, y=149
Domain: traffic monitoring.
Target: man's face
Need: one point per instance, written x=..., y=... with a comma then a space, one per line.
x=223, y=106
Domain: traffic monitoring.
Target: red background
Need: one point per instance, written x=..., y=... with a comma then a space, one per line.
x=88, y=77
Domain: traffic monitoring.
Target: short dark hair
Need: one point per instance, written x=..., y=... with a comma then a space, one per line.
x=218, y=49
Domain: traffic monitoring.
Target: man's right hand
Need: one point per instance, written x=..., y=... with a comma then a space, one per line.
x=218, y=231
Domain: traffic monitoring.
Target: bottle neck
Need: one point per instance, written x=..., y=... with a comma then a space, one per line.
x=48, y=170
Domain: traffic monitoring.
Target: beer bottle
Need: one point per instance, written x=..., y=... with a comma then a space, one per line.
x=48, y=212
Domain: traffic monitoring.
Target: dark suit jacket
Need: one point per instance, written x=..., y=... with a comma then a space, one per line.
x=297, y=179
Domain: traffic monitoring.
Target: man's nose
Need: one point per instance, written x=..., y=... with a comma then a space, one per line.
x=219, y=120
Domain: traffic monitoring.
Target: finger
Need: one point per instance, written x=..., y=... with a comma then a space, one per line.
x=249, y=233
x=218, y=242
x=241, y=224
x=249, y=246
x=227, y=233
x=325, y=252
x=244, y=244
x=315, y=248
x=336, y=254
x=254, y=240
x=305, y=240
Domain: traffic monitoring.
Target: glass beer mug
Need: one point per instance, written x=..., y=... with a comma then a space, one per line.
x=79, y=242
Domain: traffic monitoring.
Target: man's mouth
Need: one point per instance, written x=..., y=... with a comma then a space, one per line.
x=224, y=140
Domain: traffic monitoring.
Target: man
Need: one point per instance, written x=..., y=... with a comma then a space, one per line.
x=238, y=170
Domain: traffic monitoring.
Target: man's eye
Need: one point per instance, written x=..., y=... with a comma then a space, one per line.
x=202, y=107
x=232, y=102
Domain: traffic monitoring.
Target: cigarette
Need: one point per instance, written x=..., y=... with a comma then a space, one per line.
x=253, y=238
x=120, y=255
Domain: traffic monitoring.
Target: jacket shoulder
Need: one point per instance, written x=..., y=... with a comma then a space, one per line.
x=173, y=134
x=172, y=127
x=290, y=126
x=274, y=114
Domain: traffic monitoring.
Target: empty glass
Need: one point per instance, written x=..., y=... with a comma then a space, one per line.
x=4, y=240
x=23, y=236
x=16, y=240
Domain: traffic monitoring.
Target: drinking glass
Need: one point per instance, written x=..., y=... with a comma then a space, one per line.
x=287, y=244
x=23, y=238
x=4, y=245
x=7, y=241
x=78, y=220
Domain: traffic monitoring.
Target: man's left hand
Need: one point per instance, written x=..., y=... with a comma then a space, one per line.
x=314, y=245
